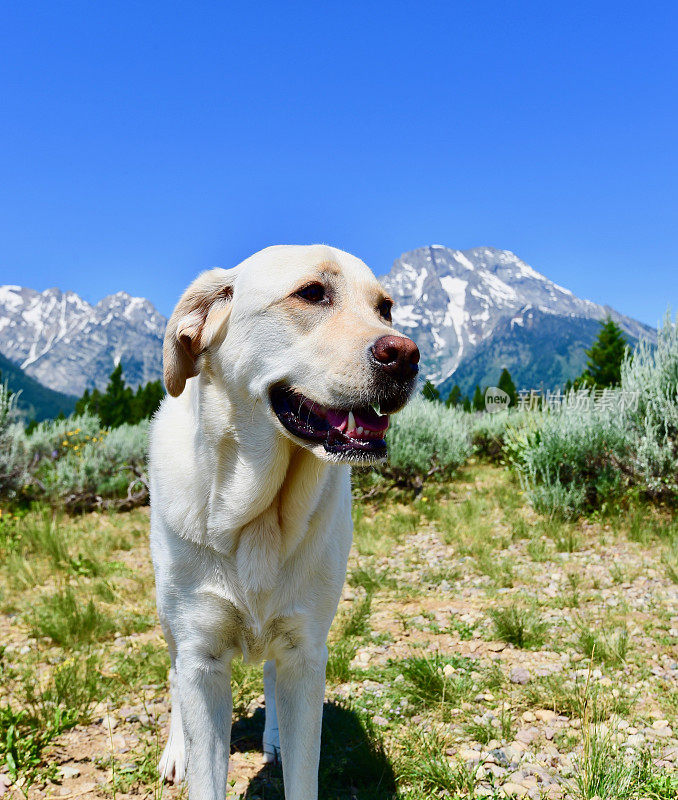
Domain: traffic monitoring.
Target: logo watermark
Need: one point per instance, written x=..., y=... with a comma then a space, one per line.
x=578, y=400
x=585, y=399
x=496, y=399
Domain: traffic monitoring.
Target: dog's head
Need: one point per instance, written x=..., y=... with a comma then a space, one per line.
x=305, y=331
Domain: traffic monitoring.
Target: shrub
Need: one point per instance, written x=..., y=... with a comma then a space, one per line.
x=12, y=453
x=426, y=439
x=488, y=432
x=652, y=373
x=54, y=438
x=77, y=462
x=569, y=460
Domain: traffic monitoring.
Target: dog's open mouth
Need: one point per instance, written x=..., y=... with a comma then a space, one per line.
x=358, y=432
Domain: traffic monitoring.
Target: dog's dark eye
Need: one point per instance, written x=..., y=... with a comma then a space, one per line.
x=385, y=309
x=313, y=293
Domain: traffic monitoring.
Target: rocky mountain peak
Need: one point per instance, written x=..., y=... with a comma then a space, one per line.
x=69, y=345
x=451, y=301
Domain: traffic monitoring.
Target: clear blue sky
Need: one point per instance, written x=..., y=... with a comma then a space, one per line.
x=141, y=142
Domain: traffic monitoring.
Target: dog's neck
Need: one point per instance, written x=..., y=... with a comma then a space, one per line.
x=253, y=474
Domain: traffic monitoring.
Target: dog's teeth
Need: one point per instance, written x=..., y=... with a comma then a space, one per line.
x=376, y=409
x=350, y=425
x=359, y=430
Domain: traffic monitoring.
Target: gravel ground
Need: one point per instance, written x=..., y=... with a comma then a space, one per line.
x=543, y=645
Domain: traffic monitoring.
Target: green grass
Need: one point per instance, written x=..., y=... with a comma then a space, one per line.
x=602, y=771
x=499, y=570
x=340, y=655
x=601, y=646
x=538, y=550
x=357, y=621
x=72, y=621
x=69, y=621
x=38, y=713
x=375, y=533
x=519, y=626
x=500, y=727
x=670, y=560
x=578, y=698
x=371, y=580
x=435, y=681
x=247, y=683
x=398, y=726
x=140, y=666
x=468, y=522
x=139, y=769
x=428, y=772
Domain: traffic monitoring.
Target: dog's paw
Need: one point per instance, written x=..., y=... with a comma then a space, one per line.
x=173, y=762
x=272, y=748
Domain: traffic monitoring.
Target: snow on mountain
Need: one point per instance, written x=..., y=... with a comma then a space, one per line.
x=69, y=345
x=452, y=301
x=471, y=312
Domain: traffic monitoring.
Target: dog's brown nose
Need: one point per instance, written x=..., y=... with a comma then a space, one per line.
x=397, y=355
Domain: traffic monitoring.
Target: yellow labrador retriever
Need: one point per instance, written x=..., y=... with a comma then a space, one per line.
x=282, y=373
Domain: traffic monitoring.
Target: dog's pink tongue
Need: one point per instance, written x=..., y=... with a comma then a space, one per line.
x=337, y=419
x=370, y=421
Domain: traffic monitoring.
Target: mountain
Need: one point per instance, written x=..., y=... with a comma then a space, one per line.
x=69, y=345
x=34, y=401
x=473, y=312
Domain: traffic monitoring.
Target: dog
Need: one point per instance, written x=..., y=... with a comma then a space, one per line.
x=281, y=373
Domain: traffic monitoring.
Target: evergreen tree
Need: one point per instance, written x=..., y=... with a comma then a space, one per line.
x=146, y=401
x=83, y=404
x=116, y=402
x=478, y=399
x=506, y=384
x=466, y=404
x=430, y=392
x=119, y=404
x=454, y=397
x=603, y=368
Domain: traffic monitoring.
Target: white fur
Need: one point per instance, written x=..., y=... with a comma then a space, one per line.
x=250, y=527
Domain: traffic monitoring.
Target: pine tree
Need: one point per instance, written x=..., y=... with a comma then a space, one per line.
x=116, y=402
x=603, y=368
x=454, y=397
x=506, y=384
x=478, y=399
x=146, y=401
x=431, y=393
x=466, y=404
x=6, y=384
x=119, y=404
x=83, y=404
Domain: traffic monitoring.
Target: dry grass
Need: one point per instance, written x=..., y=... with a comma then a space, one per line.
x=448, y=593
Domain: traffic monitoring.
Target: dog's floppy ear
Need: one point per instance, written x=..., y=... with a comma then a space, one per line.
x=200, y=313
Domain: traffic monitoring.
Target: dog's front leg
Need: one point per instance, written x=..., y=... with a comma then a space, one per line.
x=300, y=690
x=204, y=684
